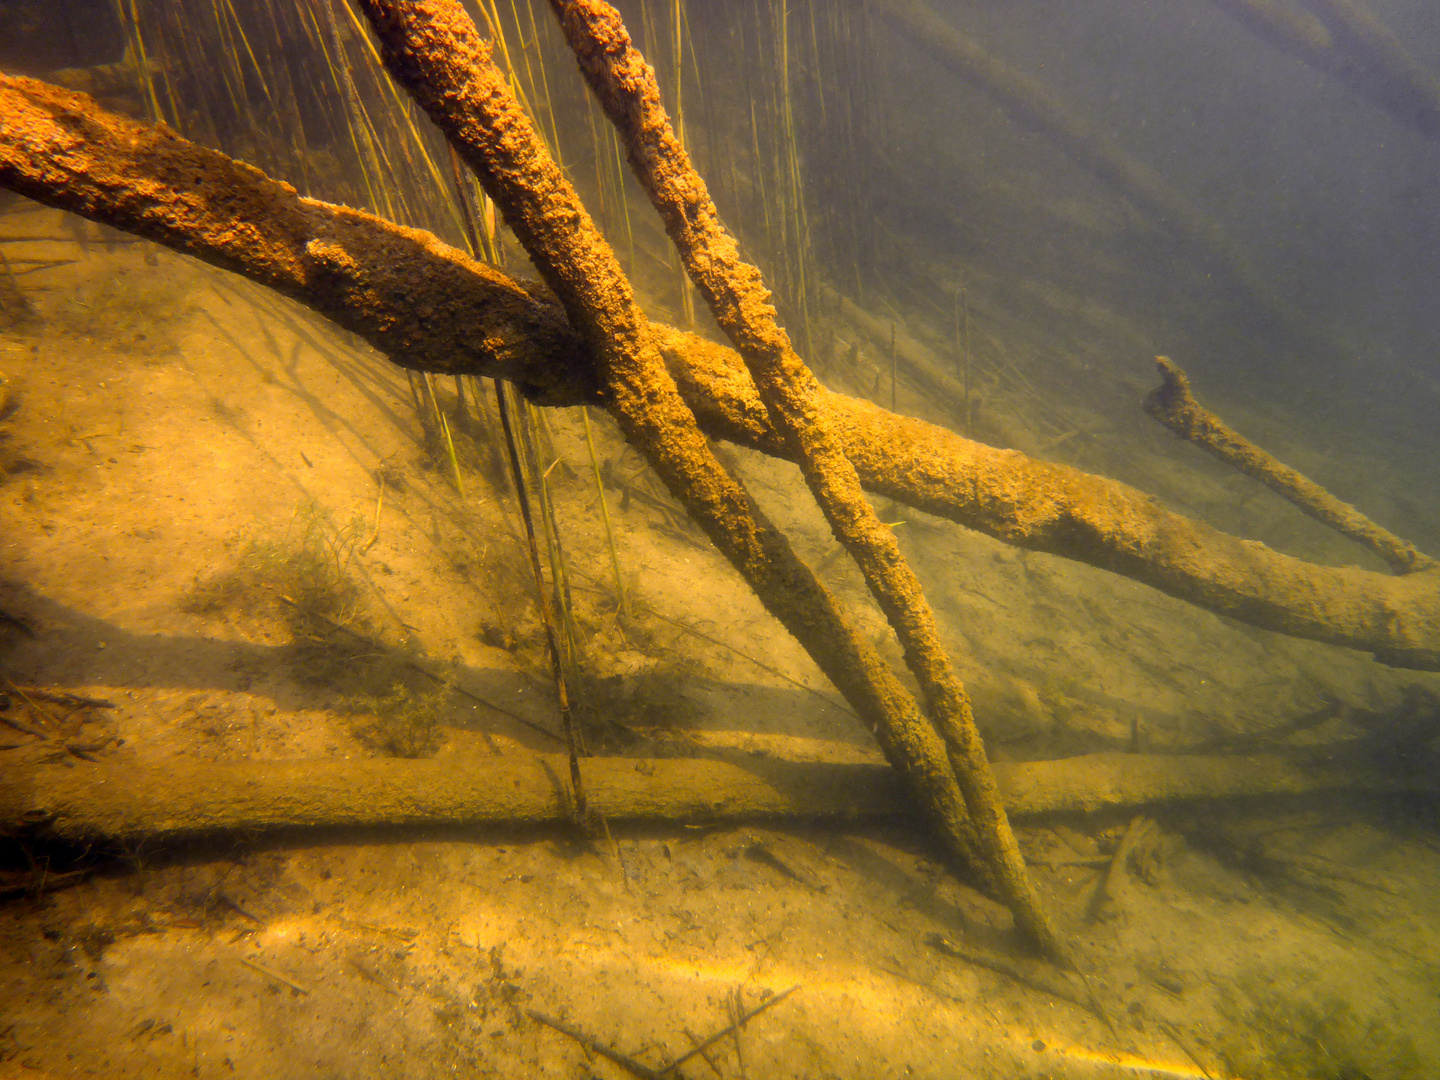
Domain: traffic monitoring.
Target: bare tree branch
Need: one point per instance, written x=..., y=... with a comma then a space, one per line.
x=61, y=149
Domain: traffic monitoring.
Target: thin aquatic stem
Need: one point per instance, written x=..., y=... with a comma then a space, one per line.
x=547, y=616
x=401, y=103
x=622, y=602
x=530, y=431
x=357, y=128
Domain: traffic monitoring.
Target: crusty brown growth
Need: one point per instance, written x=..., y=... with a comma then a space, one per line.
x=1042, y=506
x=421, y=302
x=1173, y=405
x=63, y=150
x=433, y=49
x=626, y=87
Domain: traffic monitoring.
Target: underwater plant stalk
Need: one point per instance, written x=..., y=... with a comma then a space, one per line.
x=626, y=87
x=547, y=616
x=613, y=141
x=677, y=22
x=894, y=365
x=797, y=246
x=402, y=108
x=254, y=63
x=545, y=97
x=545, y=436
x=130, y=20
x=230, y=74
x=602, y=197
x=361, y=136
x=962, y=349
x=540, y=482
x=443, y=426
x=622, y=602
x=481, y=245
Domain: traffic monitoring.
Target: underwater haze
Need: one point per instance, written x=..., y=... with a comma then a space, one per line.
x=376, y=701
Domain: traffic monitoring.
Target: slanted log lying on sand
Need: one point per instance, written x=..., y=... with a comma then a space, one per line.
x=1061, y=510
x=427, y=305
x=130, y=803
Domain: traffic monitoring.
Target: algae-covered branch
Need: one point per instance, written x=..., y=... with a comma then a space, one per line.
x=62, y=149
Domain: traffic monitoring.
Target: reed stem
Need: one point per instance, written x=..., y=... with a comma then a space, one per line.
x=622, y=602
x=530, y=431
x=965, y=356
x=547, y=615
x=443, y=427
x=893, y=365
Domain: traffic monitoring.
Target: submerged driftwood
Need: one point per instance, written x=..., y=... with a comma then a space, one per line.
x=428, y=306
x=1175, y=406
x=736, y=295
x=133, y=803
x=434, y=50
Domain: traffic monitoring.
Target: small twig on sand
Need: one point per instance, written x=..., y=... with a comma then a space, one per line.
x=736, y=1005
x=695, y=1042
x=739, y=1021
x=1107, y=892
x=1044, y=979
x=291, y=983
x=1183, y=1043
x=37, y=881
x=897, y=973
x=625, y=1061
x=22, y=727
x=34, y=694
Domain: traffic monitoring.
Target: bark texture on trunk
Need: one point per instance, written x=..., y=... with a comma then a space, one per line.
x=426, y=305
x=793, y=399
x=433, y=49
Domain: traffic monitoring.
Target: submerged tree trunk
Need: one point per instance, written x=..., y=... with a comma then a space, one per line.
x=428, y=306
x=88, y=802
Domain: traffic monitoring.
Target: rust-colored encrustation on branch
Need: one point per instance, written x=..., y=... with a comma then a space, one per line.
x=419, y=301
x=1042, y=506
x=737, y=297
x=428, y=306
x=433, y=49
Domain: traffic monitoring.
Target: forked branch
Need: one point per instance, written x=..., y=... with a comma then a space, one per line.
x=433, y=49
x=428, y=306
